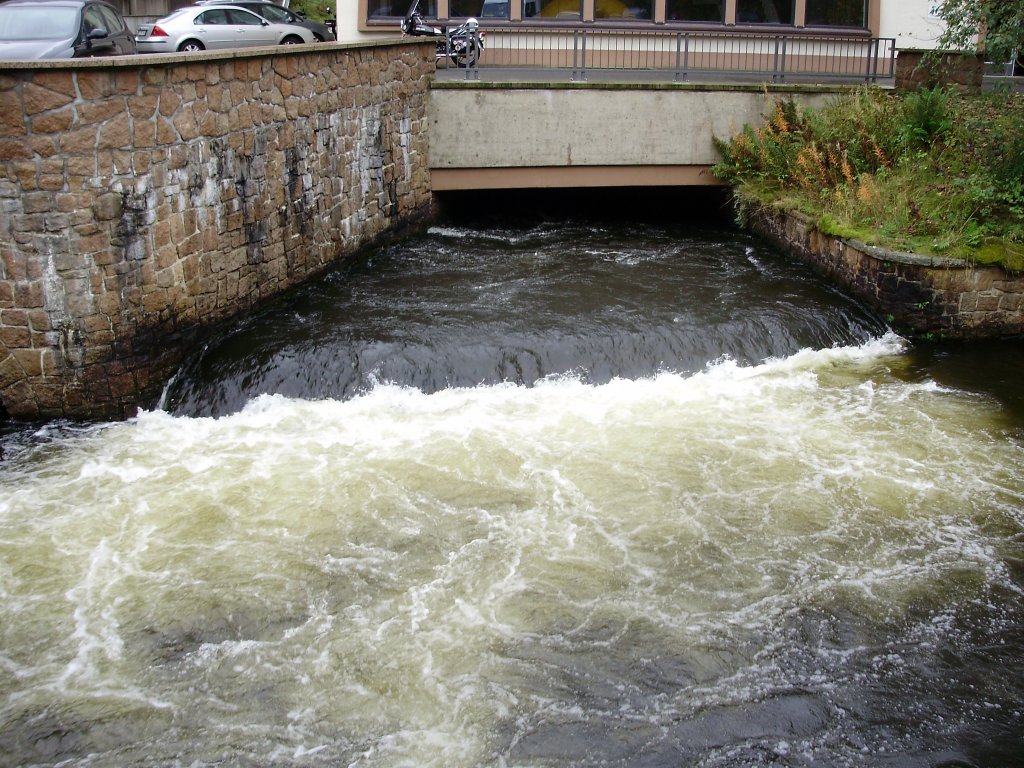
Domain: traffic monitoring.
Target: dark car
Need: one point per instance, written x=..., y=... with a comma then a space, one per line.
x=62, y=29
x=276, y=13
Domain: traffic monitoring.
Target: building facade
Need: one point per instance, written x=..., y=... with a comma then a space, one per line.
x=913, y=23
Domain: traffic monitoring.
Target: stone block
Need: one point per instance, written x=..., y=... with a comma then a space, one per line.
x=39, y=321
x=1011, y=302
x=153, y=76
x=38, y=98
x=14, y=149
x=30, y=360
x=167, y=135
x=170, y=102
x=143, y=106
x=185, y=124
x=54, y=121
x=115, y=133
x=988, y=302
x=97, y=112
x=81, y=141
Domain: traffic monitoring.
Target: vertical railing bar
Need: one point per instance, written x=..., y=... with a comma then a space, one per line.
x=583, y=55
x=679, y=54
x=575, y=51
x=686, y=57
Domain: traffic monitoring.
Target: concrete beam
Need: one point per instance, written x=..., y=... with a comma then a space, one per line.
x=496, y=135
x=555, y=177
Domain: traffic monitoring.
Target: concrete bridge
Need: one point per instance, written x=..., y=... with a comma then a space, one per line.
x=501, y=135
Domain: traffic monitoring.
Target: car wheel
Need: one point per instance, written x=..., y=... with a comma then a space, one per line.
x=292, y=40
x=190, y=46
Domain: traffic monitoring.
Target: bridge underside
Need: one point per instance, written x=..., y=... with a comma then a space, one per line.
x=447, y=179
x=555, y=135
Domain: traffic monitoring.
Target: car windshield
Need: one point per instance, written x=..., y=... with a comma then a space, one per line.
x=43, y=22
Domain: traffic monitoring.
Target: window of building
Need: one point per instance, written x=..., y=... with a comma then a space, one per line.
x=495, y=9
x=458, y=9
x=379, y=8
x=553, y=9
x=764, y=11
x=695, y=10
x=837, y=13
x=624, y=9
x=853, y=14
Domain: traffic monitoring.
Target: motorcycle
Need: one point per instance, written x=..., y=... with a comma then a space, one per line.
x=462, y=44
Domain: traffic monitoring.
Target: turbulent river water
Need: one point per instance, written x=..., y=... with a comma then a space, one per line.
x=578, y=493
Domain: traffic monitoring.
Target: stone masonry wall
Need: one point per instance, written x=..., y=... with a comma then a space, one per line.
x=145, y=199
x=963, y=71
x=921, y=295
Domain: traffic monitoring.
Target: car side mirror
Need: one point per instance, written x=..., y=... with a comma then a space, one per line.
x=97, y=33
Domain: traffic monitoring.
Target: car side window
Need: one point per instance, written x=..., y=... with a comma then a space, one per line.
x=273, y=13
x=92, y=20
x=243, y=17
x=217, y=16
x=112, y=20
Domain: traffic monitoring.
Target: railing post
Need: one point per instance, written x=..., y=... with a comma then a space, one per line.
x=575, y=52
x=583, y=56
x=679, y=37
x=686, y=57
x=780, y=59
x=473, y=69
x=870, y=77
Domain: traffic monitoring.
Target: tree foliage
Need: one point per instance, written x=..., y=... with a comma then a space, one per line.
x=317, y=10
x=1000, y=24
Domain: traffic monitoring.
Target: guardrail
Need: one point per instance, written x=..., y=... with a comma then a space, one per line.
x=685, y=54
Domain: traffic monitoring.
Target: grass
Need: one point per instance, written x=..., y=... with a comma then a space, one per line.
x=932, y=172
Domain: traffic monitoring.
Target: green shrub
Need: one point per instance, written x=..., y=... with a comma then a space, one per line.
x=931, y=171
x=925, y=117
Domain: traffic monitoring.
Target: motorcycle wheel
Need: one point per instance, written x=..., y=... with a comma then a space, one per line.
x=467, y=57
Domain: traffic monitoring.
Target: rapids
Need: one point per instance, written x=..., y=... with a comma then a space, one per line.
x=567, y=494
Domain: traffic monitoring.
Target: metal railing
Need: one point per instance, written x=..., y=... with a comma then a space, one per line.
x=683, y=55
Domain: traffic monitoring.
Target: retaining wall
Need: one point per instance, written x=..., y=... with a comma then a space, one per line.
x=145, y=199
x=920, y=295
x=961, y=70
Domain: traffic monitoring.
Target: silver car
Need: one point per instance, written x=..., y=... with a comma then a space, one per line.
x=199, y=28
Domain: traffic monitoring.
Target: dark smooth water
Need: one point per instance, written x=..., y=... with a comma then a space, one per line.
x=548, y=485
x=483, y=302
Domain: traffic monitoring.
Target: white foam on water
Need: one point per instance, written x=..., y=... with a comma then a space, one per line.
x=392, y=579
